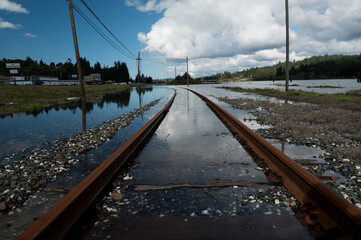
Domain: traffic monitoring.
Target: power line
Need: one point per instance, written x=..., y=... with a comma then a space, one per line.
x=313, y=30
x=100, y=32
x=92, y=12
x=104, y=18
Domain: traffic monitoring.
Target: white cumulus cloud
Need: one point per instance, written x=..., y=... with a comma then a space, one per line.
x=6, y=24
x=30, y=35
x=233, y=35
x=12, y=6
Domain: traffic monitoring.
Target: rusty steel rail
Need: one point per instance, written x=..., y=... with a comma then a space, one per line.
x=58, y=221
x=335, y=214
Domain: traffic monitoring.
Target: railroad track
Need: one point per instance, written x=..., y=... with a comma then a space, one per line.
x=59, y=220
x=320, y=203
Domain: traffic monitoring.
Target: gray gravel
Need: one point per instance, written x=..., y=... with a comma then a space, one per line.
x=37, y=167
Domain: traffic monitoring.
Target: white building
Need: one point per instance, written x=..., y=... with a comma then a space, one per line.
x=20, y=80
x=34, y=80
x=45, y=80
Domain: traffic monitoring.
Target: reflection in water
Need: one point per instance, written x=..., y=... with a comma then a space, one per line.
x=143, y=90
x=188, y=102
x=83, y=113
x=139, y=90
x=85, y=163
x=121, y=98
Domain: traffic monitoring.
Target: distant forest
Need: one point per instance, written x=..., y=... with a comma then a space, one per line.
x=319, y=67
x=118, y=73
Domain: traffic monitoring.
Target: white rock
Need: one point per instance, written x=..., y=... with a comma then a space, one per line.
x=127, y=178
x=205, y=212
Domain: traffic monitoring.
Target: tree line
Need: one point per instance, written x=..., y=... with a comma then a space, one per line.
x=64, y=71
x=318, y=67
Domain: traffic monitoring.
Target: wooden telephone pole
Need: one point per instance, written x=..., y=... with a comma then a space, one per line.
x=80, y=73
x=287, y=48
x=187, y=73
x=175, y=75
x=138, y=59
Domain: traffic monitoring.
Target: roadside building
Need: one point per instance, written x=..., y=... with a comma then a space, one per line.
x=93, y=79
x=4, y=80
x=109, y=82
x=69, y=82
x=20, y=80
x=34, y=80
x=45, y=80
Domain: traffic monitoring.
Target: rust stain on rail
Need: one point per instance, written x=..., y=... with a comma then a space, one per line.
x=57, y=222
x=337, y=216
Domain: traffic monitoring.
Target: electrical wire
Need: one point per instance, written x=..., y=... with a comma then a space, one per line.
x=113, y=28
x=92, y=12
x=313, y=30
x=100, y=32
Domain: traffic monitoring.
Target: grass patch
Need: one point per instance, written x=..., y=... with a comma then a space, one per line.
x=35, y=98
x=290, y=85
x=326, y=86
x=330, y=119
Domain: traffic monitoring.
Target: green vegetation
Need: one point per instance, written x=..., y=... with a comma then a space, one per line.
x=326, y=86
x=182, y=80
x=318, y=67
x=35, y=98
x=118, y=73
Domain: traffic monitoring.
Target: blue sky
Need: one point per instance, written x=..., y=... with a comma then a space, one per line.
x=45, y=32
x=216, y=35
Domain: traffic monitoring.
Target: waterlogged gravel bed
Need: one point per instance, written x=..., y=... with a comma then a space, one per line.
x=27, y=173
x=342, y=166
x=124, y=201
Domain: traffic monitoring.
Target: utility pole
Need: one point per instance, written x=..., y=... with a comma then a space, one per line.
x=287, y=48
x=80, y=73
x=138, y=59
x=175, y=75
x=187, y=73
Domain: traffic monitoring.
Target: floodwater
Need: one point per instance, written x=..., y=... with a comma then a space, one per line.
x=338, y=85
x=190, y=152
x=191, y=146
x=21, y=131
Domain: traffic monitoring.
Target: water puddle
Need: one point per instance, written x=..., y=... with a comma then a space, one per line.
x=302, y=154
